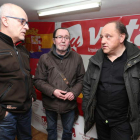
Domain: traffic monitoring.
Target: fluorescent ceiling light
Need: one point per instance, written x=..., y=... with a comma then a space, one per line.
x=88, y=4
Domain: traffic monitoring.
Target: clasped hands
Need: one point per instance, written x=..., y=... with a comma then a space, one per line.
x=64, y=95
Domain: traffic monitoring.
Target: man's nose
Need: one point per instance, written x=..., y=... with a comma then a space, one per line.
x=103, y=40
x=26, y=26
x=63, y=39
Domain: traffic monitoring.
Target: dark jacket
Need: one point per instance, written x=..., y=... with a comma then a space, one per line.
x=47, y=79
x=132, y=82
x=15, y=80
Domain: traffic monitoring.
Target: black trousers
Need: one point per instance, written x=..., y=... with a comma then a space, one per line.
x=122, y=131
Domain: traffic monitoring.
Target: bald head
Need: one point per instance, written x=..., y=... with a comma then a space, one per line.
x=9, y=9
x=13, y=21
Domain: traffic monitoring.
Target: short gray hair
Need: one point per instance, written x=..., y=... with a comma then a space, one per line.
x=5, y=10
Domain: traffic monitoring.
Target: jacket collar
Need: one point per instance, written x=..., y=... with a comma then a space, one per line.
x=133, y=55
x=132, y=51
x=6, y=39
x=53, y=51
x=97, y=59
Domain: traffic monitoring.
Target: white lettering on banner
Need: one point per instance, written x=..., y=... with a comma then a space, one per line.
x=130, y=29
x=131, y=26
x=76, y=36
x=93, y=39
x=137, y=40
x=92, y=50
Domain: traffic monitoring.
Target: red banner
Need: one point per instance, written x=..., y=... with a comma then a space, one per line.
x=85, y=35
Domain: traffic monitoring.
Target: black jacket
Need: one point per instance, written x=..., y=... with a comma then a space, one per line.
x=132, y=82
x=16, y=90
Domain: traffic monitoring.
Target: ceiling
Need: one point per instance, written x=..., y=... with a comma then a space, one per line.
x=109, y=8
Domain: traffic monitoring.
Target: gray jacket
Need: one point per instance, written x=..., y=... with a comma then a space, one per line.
x=132, y=82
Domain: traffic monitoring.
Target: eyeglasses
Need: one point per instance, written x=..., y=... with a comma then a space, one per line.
x=61, y=37
x=22, y=20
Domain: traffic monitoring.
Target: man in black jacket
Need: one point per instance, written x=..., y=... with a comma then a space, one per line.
x=111, y=86
x=16, y=90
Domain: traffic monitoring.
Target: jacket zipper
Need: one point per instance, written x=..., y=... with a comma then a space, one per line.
x=20, y=63
x=130, y=80
x=4, y=93
x=3, y=53
x=125, y=68
x=94, y=90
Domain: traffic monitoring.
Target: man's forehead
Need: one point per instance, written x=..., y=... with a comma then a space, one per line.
x=108, y=28
x=19, y=12
x=62, y=31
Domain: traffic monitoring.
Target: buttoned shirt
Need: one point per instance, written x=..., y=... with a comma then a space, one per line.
x=112, y=99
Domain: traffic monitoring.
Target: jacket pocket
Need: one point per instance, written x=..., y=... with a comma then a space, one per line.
x=8, y=61
x=93, y=79
x=5, y=90
x=135, y=82
x=91, y=109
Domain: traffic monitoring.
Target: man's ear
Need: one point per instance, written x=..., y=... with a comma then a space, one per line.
x=4, y=21
x=122, y=38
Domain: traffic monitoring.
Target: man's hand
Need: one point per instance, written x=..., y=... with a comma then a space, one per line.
x=6, y=113
x=59, y=94
x=69, y=96
x=138, y=138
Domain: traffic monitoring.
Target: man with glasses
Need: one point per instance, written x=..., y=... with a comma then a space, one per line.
x=16, y=90
x=59, y=77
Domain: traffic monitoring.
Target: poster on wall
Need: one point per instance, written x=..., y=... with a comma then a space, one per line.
x=38, y=41
x=39, y=38
x=85, y=35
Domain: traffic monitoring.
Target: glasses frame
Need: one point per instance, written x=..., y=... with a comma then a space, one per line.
x=61, y=37
x=23, y=21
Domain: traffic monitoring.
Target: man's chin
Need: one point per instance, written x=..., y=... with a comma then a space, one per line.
x=62, y=50
x=105, y=51
x=22, y=39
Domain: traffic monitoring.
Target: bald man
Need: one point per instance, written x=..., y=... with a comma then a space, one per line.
x=16, y=90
